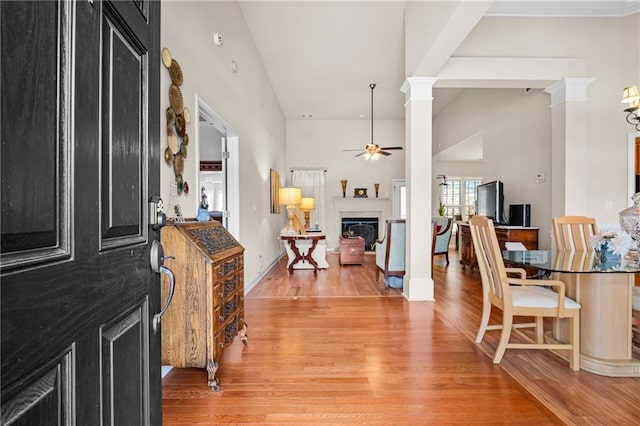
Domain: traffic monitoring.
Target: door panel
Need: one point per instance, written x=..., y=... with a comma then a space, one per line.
x=124, y=377
x=35, y=223
x=46, y=400
x=80, y=157
x=123, y=160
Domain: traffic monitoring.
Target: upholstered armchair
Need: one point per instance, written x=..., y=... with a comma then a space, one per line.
x=390, y=251
x=443, y=236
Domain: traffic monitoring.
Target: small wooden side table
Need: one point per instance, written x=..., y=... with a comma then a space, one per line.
x=351, y=251
x=299, y=257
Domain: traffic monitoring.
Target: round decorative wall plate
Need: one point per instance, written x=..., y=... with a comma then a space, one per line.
x=175, y=98
x=179, y=184
x=176, y=73
x=181, y=126
x=172, y=141
x=187, y=115
x=168, y=155
x=178, y=164
x=166, y=57
x=171, y=116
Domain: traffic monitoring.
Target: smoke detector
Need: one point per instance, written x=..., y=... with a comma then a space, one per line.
x=217, y=38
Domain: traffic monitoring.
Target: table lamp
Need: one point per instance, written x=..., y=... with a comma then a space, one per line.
x=290, y=197
x=306, y=205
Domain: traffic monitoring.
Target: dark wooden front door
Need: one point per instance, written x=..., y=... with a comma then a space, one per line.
x=80, y=161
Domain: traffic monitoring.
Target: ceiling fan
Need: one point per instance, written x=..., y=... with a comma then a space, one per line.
x=444, y=180
x=373, y=151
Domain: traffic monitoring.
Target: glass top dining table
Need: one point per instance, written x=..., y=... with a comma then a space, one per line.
x=568, y=261
x=605, y=293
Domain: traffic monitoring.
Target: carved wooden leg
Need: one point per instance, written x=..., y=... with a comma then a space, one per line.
x=309, y=258
x=212, y=367
x=296, y=252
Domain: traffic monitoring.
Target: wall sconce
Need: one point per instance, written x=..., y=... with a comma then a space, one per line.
x=630, y=96
x=306, y=205
x=290, y=197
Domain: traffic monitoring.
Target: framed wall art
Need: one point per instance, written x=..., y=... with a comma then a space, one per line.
x=275, y=189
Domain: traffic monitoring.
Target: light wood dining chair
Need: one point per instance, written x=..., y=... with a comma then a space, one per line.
x=519, y=296
x=572, y=233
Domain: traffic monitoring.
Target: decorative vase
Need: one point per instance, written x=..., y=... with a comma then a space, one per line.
x=344, y=188
x=630, y=223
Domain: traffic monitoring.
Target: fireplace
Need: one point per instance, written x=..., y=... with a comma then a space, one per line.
x=365, y=227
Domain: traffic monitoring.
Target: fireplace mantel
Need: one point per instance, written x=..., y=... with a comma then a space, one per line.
x=357, y=207
x=352, y=204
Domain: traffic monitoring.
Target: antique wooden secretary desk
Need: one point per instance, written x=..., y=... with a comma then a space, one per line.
x=207, y=310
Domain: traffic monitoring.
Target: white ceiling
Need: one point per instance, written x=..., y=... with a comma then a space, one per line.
x=321, y=56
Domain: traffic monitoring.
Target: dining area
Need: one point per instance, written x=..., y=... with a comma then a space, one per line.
x=580, y=295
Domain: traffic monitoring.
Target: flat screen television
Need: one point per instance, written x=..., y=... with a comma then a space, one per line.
x=490, y=201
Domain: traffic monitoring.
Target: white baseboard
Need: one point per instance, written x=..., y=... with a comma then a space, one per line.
x=248, y=288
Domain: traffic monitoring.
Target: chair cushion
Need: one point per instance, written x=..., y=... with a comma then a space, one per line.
x=538, y=297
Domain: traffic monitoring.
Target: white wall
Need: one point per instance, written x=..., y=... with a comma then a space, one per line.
x=210, y=143
x=516, y=126
x=321, y=143
x=515, y=130
x=245, y=100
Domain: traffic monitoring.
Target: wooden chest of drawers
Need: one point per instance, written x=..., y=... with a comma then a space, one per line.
x=207, y=310
x=527, y=236
x=351, y=251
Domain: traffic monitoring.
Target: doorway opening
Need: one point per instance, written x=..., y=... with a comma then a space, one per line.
x=219, y=177
x=399, y=198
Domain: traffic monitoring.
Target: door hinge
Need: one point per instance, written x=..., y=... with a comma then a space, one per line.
x=226, y=155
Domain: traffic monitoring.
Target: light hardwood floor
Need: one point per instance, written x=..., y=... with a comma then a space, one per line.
x=335, y=348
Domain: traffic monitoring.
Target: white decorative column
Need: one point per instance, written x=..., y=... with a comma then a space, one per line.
x=569, y=146
x=418, y=284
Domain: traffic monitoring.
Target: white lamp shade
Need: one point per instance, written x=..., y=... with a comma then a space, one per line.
x=290, y=196
x=630, y=94
x=308, y=203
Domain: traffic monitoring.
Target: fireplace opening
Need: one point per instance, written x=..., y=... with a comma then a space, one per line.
x=365, y=227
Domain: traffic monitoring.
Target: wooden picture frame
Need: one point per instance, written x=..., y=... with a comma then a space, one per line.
x=274, y=180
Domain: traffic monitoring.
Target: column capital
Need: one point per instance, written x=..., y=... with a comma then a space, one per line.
x=418, y=88
x=569, y=89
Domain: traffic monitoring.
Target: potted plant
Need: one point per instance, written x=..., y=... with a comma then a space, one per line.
x=442, y=210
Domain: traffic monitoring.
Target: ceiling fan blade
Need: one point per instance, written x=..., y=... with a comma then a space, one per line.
x=362, y=153
x=347, y=150
x=389, y=148
x=384, y=153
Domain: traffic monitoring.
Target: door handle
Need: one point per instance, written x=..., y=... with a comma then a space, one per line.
x=157, y=265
